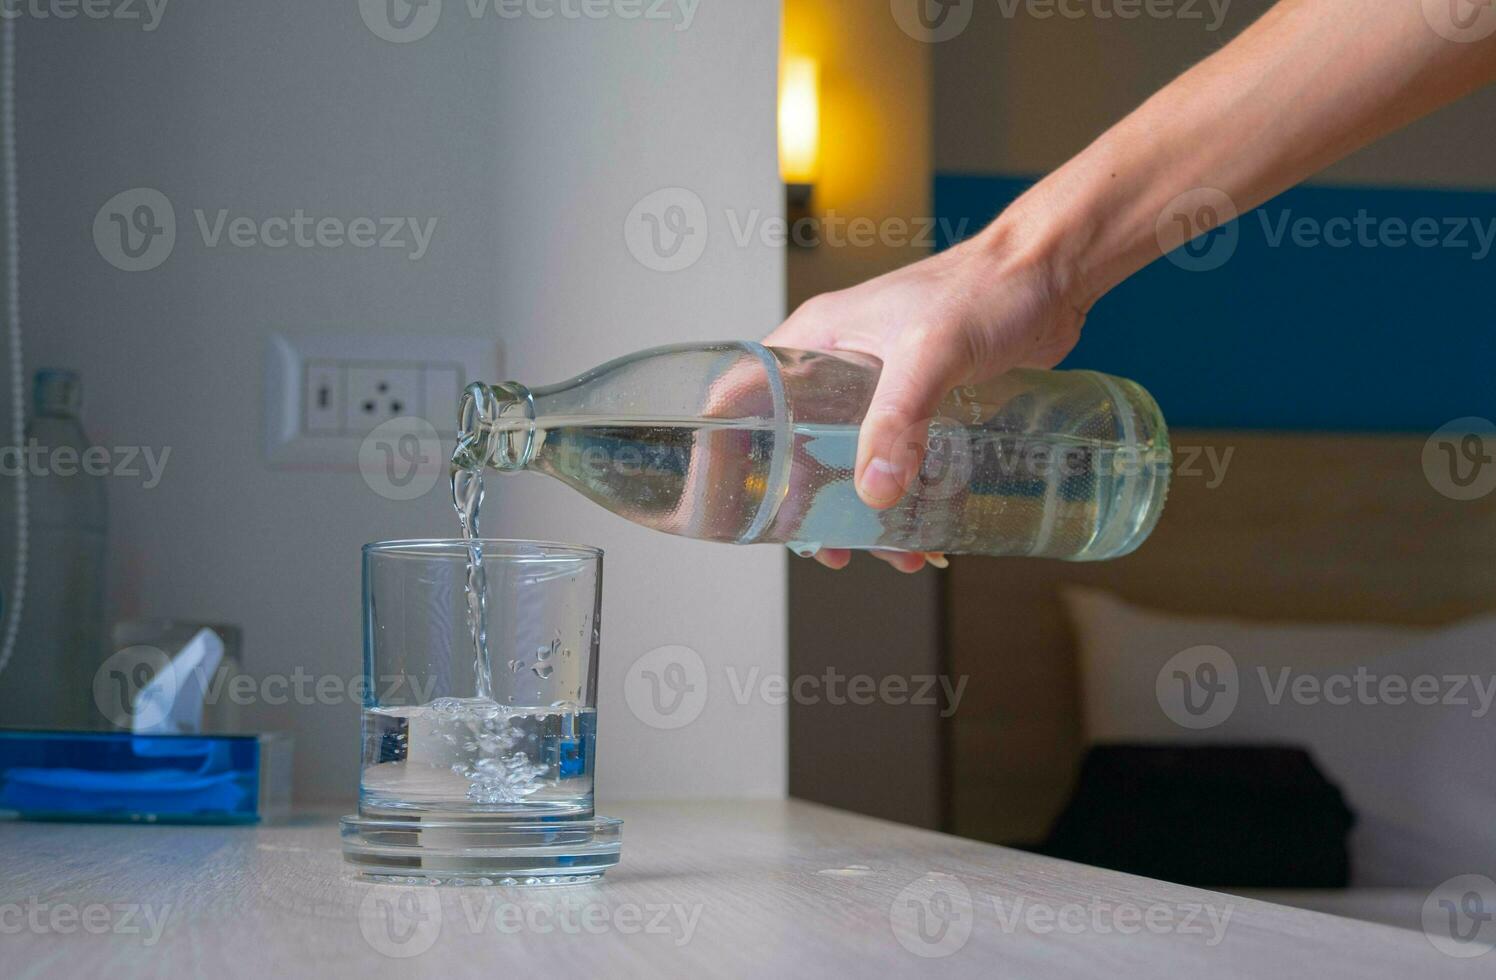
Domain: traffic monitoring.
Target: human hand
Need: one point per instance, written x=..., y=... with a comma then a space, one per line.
x=960, y=317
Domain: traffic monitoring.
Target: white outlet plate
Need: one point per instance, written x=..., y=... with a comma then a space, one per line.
x=318, y=387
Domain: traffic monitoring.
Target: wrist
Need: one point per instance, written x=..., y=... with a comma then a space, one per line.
x=1091, y=223
x=1046, y=240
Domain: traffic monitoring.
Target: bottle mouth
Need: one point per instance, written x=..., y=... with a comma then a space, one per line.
x=495, y=427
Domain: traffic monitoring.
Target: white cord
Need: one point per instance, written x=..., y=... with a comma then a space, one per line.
x=17, y=597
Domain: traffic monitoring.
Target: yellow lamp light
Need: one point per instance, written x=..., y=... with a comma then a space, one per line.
x=799, y=122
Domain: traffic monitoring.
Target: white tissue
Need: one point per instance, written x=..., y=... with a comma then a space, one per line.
x=172, y=703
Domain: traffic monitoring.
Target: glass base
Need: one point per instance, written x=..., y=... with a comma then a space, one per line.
x=449, y=850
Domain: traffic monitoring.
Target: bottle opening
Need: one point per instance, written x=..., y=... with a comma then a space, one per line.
x=495, y=427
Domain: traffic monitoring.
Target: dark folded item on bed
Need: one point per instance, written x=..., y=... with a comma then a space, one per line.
x=1212, y=816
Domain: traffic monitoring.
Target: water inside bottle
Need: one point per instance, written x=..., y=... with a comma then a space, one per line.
x=983, y=487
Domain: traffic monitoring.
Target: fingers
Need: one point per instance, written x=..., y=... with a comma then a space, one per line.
x=891, y=445
x=910, y=562
x=833, y=558
x=907, y=562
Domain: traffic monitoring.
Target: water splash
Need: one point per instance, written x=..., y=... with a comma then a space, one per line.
x=483, y=736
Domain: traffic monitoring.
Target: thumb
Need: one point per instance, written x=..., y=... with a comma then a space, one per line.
x=891, y=446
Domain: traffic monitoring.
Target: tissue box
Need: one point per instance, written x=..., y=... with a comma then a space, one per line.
x=124, y=777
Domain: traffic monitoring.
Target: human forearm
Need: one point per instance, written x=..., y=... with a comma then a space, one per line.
x=1309, y=83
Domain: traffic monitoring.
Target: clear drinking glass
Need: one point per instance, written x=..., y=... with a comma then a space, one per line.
x=470, y=772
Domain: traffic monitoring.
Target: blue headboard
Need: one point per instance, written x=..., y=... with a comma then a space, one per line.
x=1300, y=334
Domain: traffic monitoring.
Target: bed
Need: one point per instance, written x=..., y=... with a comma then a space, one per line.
x=1306, y=530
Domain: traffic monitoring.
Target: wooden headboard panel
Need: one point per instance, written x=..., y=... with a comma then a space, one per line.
x=1308, y=528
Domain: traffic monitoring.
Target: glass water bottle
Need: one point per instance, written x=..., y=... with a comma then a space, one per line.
x=745, y=444
x=60, y=643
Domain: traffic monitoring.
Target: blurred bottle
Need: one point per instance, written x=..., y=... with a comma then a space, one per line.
x=741, y=443
x=49, y=682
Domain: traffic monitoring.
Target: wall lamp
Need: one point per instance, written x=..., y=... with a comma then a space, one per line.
x=799, y=132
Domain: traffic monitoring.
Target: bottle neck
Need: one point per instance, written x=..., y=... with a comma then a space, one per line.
x=495, y=427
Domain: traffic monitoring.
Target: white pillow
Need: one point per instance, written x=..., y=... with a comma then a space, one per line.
x=1401, y=719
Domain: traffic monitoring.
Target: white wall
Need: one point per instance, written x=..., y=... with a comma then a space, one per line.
x=529, y=141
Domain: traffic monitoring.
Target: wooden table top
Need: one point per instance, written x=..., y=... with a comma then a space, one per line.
x=734, y=889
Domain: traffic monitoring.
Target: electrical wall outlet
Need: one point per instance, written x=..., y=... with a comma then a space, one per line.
x=326, y=392
x=376, y=393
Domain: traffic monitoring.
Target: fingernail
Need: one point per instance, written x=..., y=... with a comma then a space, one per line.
x=937, y=559
x=881, y=482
